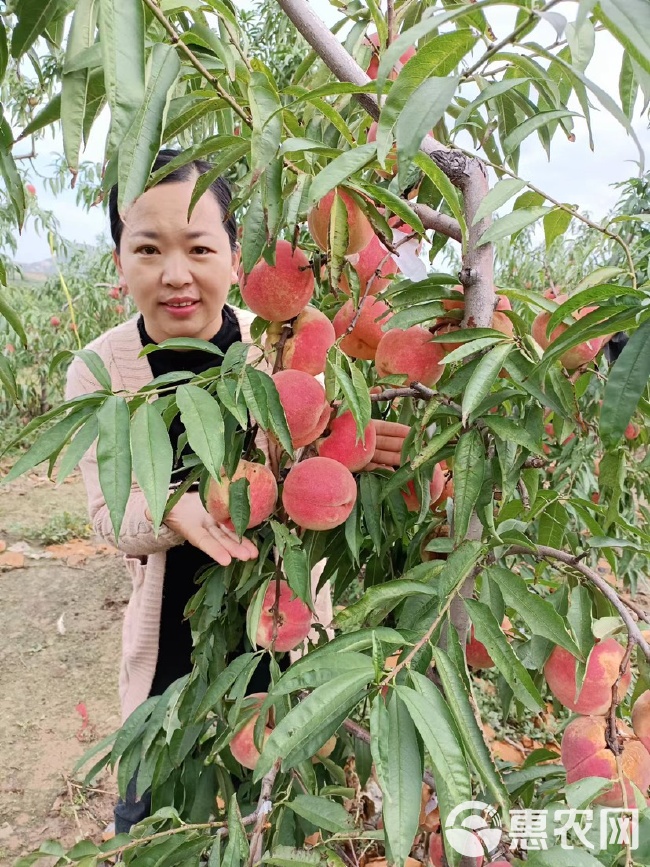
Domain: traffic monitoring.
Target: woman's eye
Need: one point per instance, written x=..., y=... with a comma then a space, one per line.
x=200, y=250
x=148, y=250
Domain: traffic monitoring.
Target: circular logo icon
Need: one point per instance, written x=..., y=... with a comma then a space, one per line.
x=477, y=833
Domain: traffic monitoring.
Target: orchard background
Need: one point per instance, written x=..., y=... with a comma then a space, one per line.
x=382, y=160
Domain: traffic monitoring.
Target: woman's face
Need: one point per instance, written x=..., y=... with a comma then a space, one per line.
x=165, y=262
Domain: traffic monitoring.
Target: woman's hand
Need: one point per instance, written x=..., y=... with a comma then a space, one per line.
x=390, y=439
x=190, y=519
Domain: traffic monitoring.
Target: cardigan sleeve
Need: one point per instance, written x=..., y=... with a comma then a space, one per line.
x=136, y=534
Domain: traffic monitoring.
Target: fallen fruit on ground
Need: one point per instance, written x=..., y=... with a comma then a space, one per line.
x=410, y=352
x=585, y=753
x=595, y=695
x=262, y=493
x=304, y=403
x=306, y=349
x=293, y=619
x=363, y=340
x=360, y=231
x=319, y=493
x=278, y=292
x=341, y=444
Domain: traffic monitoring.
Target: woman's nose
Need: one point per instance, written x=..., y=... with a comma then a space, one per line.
x=176, y=270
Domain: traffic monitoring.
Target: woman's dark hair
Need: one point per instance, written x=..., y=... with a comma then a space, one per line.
x=219, y=188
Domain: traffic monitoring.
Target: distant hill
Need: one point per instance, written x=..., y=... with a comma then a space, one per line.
x=38, y=272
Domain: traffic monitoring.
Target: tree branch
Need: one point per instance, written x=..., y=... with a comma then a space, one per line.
x=264, y=807
x=442, y=223
x=544, y=552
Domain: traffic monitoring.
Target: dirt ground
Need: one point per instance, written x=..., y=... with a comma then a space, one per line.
x=60, y=633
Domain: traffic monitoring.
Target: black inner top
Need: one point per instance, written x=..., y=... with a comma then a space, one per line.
x=184, y=561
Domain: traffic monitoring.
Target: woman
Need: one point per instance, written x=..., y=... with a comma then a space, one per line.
x=178, y=274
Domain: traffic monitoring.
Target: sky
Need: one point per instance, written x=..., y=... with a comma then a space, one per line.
x=575, y=175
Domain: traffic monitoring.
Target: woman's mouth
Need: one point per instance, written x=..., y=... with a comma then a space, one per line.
x=182, y=308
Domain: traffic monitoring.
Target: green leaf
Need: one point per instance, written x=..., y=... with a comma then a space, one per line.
x=500, y=193
x=34, y=16
x=436, y=444
x=555, y=224
x=141, y=143
x=552, y=525
x=370, y=493
x=74, y=85
x=304, y=730
x=401, y=799
x=458, y=700
x=152, y=458
x=629, y=21
x=496, y=88
x=628, y=86
x=538, y=614
x=445, y=187
x=121, y=32
x=262, y=386
x=383, y=597
x=488, y=631
x=8, y=378
x=469, y=470
x=511, y=223
x=340, y=169
x=558, y=856
x=48, y=115
x=11, y=316
x=309, y=673
x=397, y=205
x=201, y=416
x=286, y=856
x=626, y=383
x=96, y=366
x=512, y=141
x=114, y=457
x=484, y=377
x=266, y=112
x=4, y=51
x=424, y=108
x=512, y=431
x=434, y=721
x=48, y=443
x=323, y=813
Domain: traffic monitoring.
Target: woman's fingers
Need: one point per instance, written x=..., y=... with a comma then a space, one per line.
x=244, y=550
x=390, y=428
x=205, y=540
x=373, y=466
x=247, y=545
x=389, y=458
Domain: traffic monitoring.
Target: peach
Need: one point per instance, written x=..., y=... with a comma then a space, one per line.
x=641, y=718
x=363, y=340
x=585, y=753
x=437, y=852
x=294, y=619
x=278, y=292
x=306, y=349
x=500, y=322
x=319, y=493
x=632, y=431
x=448, y=490
x=359, y=227
x=577, y=355
x=304, y=403
x=242, y=745
x=595, y=695
x=476, y=652
x=410, y=352
x=391, y=159
x=262, y=492
x=375, y=266
x=436, y=487
x=373, y=41
x=326, y=750
x=341, y=443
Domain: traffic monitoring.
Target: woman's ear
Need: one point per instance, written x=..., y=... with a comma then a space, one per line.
x=121, y=280
x=236, y=258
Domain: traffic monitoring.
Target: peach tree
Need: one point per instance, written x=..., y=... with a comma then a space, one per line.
x=352, y=181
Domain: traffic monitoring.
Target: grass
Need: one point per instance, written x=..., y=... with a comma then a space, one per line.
x=62, y=527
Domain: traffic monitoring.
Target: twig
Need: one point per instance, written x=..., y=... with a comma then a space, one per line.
x=264, y=807
x=523, y=493
x=544, y=552
x=285, y=334
x=611, y=735
x=509, y=39
x=194, y=60
x=640, y=613
x=432, y=219
x=390, y=20
x=364, y=735
x=74, y=810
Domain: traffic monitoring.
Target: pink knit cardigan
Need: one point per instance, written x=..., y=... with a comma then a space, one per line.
x=144, y=553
